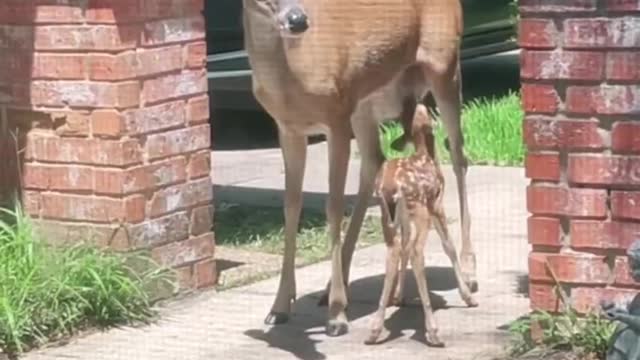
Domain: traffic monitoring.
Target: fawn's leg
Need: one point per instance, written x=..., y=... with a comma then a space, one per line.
x=440, y=222
x=417, y=263
x=294, y=151
x=377, y=321
x=398, y=296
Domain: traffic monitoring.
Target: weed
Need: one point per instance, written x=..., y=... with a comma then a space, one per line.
x=47, y=292
x=261, y=229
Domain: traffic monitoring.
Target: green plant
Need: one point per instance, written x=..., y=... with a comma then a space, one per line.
x=588, y=334
x=492, y=130
x=47, y=292
x=261, y=228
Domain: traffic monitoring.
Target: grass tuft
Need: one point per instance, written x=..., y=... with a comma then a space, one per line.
x=492, y=130
x=261, y=229
x=49, y=292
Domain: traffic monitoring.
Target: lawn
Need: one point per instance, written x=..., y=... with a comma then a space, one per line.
x=261, y=229
x=492, y=130
x=48, y=292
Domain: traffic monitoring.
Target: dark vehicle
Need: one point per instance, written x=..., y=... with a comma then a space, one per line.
x=489, y=29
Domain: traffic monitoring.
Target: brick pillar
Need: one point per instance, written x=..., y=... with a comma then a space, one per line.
x=110, y=99
x=580, y=70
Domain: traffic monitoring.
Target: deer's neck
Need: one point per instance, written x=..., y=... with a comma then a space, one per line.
x=425, y=145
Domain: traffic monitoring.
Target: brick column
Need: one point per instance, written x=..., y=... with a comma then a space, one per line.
x=110, y=100
x=580, y=70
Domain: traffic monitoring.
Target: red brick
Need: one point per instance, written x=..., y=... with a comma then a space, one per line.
x=539, y=98
x=171, y=86
x=112, y=67
x=204, y=273
x=545, y=231
x=558, y=64
x=544, y=297
x=141, y=178
x=60, y=233
x=542, y=166
x=178, y=142
x=135, y=206
x=58, y=66
x=107, y=123
x=623, y=32
x=623, y=274
x=625, y=137
x=557, y=6
x=32, y=202
x=185, y=252
x=58, y=177
x=70, y=123
x=113, y=11
x=603, y=234
x=625, y=205
x=198, y=109
x=85, y=94
x=159, y=60
x=201, y=220
x=605, y=99
x=167, y=229
x=83, y=151
x=184, y=277
x=82, y=208
x=97, y=38
x=155, y=118
x=196, y=55
x=181, y=196
x=26, y=12
x=604, y=169
x=171, y=8
x=623, y=5
x=569, y=268
x=574, y=202
x=586, y=299
x=537, y=34
x=175, y=30
x=560, y=133
x=623, y=66
x=200, y=164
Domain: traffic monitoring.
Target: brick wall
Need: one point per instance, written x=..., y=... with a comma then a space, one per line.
x=104, y=115
x=580, y=70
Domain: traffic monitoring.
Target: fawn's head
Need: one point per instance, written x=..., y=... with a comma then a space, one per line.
x=422, y=131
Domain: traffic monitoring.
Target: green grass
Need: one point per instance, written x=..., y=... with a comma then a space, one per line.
x=492, y=130
x=48, y=292
x=261, y=229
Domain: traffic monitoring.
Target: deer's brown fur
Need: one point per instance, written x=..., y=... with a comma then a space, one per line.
x=411, y=191
x=358, y=63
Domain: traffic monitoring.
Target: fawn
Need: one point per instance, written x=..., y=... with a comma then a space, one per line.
x=411, y=191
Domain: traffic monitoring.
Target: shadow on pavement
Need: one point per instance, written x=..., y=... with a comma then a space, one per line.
x=307, y=322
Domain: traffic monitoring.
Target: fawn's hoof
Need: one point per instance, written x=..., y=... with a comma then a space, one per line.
x=336, y=328
x=433, y=340
x=276, y=318
x=373, y=337
x=471, y=302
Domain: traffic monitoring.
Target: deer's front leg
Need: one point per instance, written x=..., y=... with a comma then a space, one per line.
x=339, y=151
x=294, y=152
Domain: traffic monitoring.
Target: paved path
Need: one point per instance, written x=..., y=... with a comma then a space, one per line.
x=228, y=325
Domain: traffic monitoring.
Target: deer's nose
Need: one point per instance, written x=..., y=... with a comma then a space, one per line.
x=297, y=20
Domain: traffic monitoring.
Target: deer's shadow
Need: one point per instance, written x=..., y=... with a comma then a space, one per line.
x=306, y=325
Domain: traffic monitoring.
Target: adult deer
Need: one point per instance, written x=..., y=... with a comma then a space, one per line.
x=337, y=67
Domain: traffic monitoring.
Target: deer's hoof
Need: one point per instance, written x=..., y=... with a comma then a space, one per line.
x=276, y=318
x=336, y=328
x=433, y=340
x=372, y=339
